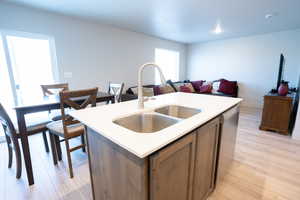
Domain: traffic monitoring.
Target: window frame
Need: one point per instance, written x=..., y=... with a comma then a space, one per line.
x=177, y=53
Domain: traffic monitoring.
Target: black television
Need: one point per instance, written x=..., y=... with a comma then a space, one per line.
x=281, y=70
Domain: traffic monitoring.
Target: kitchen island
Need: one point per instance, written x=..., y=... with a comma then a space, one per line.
x=177, y=147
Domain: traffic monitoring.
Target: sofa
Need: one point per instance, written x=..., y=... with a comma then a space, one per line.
x=220, y=87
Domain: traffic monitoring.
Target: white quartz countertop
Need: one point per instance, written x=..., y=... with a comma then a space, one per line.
x=101, y=118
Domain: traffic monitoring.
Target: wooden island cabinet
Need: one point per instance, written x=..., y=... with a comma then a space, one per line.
x=183, y=170
x=206, y=158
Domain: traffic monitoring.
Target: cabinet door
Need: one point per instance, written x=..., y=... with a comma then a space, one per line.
x=172, y=170
x=205, y=161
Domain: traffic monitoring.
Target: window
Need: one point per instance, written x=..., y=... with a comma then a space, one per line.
x=169, y=63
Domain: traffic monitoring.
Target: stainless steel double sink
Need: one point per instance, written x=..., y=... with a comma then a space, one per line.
x=160, y=118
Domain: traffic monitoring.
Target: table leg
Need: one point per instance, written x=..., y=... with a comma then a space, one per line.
x=113, y=100
x=25, y=147
x=58, y=147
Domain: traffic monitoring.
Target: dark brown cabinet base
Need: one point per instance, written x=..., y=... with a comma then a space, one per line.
x=183, y=170
x=278, y=113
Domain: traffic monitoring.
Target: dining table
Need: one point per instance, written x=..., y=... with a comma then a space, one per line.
x=43, y=103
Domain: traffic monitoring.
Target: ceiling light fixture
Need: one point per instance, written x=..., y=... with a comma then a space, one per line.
x=271, y=15
x=268, y=16
x=218, y=29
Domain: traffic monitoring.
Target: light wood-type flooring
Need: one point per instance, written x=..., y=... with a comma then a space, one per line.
x=266, y=166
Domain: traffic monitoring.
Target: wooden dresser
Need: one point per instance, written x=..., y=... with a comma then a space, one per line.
x=278, y=113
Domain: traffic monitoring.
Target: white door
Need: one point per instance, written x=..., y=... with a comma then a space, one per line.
x=26, y=62
x=31, y=62
x=6, y=94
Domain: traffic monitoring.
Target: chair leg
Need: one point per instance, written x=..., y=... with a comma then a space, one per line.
x=58, y=147
x=18, y=164
x=18, y=158
x=69, y=157
x=53, y=148
x=10, y=157
x=45, y=141
x=10, y=151
x=83, y=142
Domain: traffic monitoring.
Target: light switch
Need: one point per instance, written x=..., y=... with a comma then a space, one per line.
x=68, y=74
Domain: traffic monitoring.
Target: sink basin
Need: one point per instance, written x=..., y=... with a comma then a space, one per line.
x=146, y=122
x=178, y=111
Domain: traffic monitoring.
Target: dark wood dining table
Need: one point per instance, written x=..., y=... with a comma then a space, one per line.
x=39, y=105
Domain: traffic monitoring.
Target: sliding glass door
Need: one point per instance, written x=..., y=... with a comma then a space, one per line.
x=26, y=62
x=6, y=92
x=6, y=88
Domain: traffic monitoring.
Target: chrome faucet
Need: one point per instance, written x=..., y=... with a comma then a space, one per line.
x=140, y=80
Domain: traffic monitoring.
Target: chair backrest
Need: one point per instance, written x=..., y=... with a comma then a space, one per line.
x=76, y=99
x=48, y=89
x=116, y=89
x=7, y=124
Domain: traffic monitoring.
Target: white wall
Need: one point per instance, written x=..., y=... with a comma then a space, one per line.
x=93, y=52
x=253, y=61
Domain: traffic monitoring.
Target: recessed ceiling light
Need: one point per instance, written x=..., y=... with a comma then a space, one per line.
x=270, y=15
x=218, y=29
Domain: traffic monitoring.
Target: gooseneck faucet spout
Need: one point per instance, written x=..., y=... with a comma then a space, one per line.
x=140, y=81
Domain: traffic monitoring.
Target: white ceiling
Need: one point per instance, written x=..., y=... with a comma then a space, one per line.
x=185, y=21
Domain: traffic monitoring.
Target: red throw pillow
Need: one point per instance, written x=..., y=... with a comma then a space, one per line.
x=184, y=88
x=156, y=90
x=228, y=87
x=197, y=84
x=206, y=88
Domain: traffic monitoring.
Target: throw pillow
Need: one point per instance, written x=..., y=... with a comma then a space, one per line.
x=185, y=88
x=207, y=88
x=228, y=87
x=216, y=85
x=189, y=85
x=166, y=89
x=156, y=90
x=147, y=92
x=172, y=85
x=197, y=85
x=177, y=85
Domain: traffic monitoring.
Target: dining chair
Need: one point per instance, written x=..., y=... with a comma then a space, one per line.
x=69, y=128
x=53, y=89
x=116, y=89
x=49, y=89
x=12, y=136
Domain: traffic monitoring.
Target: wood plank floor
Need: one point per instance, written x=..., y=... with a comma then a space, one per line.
x=266, y=166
